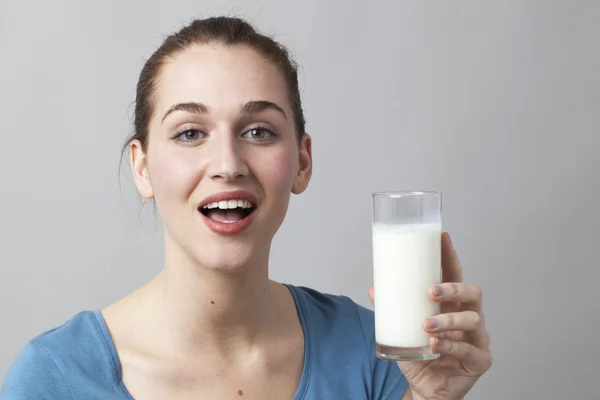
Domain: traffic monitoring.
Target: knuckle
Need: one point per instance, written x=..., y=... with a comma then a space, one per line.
x=477, y=291
x=459, y=287
x=452, y=290
x=468, y=351
x=450, y=320
x=476, y=318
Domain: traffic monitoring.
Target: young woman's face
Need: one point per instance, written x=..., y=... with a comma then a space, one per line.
x=223, y=155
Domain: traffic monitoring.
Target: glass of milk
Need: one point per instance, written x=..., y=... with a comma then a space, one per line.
x=407, y=230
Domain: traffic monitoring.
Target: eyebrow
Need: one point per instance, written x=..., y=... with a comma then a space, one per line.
x=256, y=106
x=251, y=107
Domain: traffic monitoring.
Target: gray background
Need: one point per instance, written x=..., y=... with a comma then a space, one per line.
x=496, y=104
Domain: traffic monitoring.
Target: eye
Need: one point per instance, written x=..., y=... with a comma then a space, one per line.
x=260, y=134
x=189, y=136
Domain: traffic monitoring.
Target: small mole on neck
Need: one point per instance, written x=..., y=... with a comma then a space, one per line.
x=240, y=393
x=212, y=302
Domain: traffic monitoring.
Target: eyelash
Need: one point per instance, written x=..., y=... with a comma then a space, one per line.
x=178, y=136
x=272, y=134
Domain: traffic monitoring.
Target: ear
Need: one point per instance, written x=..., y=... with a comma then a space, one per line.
x=139, y=169
x=305, y=165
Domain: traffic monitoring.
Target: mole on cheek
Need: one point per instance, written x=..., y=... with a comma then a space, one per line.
x=212, y=302
x=240, y=393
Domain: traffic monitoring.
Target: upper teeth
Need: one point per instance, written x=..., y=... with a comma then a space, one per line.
x=229, y=204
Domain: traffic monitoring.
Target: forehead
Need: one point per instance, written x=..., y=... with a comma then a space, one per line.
x=222, y=77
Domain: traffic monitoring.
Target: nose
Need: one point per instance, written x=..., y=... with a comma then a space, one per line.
x=227, y=162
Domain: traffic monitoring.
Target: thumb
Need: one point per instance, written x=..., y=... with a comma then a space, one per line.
x=372, y=294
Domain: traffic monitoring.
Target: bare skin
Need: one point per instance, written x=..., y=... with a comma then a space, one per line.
x=212, y=324
x=159, y=364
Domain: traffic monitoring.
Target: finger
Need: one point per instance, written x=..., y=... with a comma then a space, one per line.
x=480, y=337
x=459, y=321
x=468, y=294
x=469, y=298
x=473, y=359
x=458, y=295
x=372, y=294
x=451, y=267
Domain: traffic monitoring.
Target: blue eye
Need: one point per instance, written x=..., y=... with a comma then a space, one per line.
x=260, y=134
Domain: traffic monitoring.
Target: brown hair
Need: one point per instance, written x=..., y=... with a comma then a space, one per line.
x=226, y=31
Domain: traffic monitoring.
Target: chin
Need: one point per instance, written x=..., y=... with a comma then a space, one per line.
x=228, y=253
x=230, y=257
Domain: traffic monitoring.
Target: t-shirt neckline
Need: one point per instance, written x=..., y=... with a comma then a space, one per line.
x=116, y=364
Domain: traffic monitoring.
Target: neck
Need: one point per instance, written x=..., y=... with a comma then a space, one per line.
x=212, y=310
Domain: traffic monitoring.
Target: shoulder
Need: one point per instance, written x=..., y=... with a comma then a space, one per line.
x=74, y=340
x=34, y=374
x=336, y=310
x=50, y=363
x=341, y=336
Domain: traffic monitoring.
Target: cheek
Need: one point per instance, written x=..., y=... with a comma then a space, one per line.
x=278, y=175
x=282, y=171
x=173, y=176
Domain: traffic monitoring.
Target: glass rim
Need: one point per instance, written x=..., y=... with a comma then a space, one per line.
x=401, y=193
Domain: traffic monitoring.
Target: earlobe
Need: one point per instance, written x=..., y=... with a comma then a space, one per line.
x=139, y=169
x=305, y=165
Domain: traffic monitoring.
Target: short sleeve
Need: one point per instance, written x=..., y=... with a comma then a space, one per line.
x=34, y=375
x=387, y=382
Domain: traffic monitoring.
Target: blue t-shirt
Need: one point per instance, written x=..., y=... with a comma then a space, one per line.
x=78, y=359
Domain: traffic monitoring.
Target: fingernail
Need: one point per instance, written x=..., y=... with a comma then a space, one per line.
x=439, y=342
x=432, y=323
x=437, y=291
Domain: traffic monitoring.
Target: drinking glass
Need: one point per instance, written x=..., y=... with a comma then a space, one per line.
x=407, y=230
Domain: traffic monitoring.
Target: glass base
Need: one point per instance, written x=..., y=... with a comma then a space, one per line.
x=405, y=353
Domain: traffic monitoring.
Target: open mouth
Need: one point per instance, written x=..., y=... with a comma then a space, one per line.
x=228, y=211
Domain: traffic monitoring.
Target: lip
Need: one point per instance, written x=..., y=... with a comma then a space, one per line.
x=229, y=228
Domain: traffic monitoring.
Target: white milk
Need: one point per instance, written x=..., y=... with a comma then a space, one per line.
x=406, y=260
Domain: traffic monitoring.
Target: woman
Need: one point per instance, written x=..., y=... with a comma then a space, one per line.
x=219, y=145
